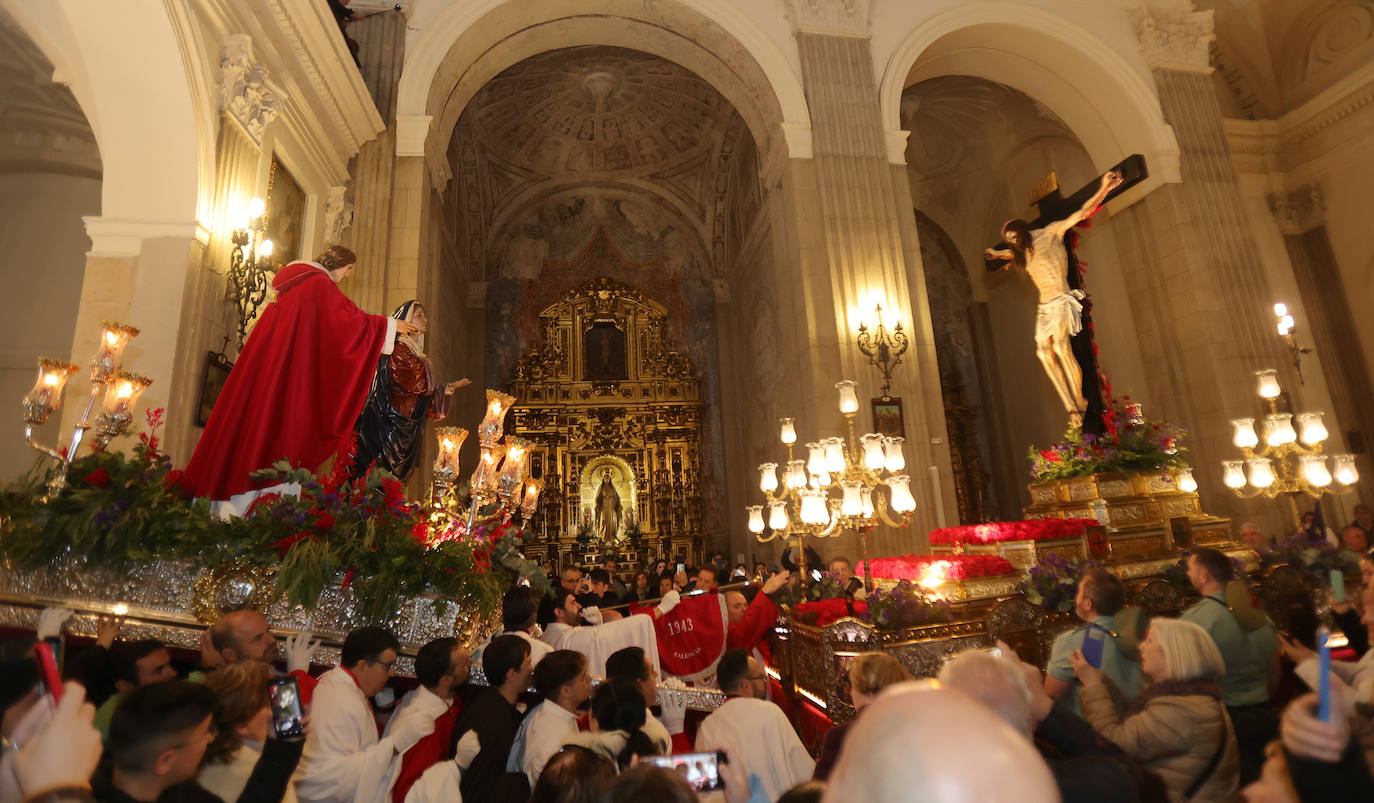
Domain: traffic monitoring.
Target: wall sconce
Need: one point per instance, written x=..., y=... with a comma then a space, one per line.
x=884, y=350
x=1287, y=327
x=250, y=265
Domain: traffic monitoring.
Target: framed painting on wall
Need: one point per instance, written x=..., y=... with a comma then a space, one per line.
x=887, y=417
x=217, y=368
x=285, y=213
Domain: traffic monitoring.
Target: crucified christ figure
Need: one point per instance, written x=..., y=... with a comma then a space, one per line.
x=1041, y=253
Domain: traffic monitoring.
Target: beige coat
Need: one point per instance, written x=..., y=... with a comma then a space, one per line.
x=1175, y=737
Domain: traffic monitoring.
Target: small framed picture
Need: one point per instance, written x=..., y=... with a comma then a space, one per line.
x=1181, y=527
x=887, y=417
x=217, y=368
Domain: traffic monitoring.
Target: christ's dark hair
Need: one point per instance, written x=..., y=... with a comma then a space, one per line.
x=1023, y=231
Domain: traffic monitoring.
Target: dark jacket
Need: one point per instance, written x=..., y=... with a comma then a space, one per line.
x=267, y=784
x=1090, y=768
x=496, y=722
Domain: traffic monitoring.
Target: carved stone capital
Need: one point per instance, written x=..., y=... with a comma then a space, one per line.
x=1300, y=210
x=338, y=214
x=834, y=17
x=245, y=93
x=1174, y=38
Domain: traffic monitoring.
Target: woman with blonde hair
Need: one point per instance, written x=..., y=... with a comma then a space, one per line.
x=870, y=673
x=1178, y=727
x=243, y=719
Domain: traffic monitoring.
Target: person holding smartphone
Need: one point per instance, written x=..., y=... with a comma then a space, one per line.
x=1100, y=596
x=247, y=732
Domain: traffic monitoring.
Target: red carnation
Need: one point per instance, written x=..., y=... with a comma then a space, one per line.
x=348, y=577
x=100, y=478
x=395, y=494
x=1050, y=455
x=323, y=520
x=420, y=532
x=284, y=545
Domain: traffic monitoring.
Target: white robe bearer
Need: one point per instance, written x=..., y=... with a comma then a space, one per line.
x=543, y=733
x=758, y=740
x=598, y=642
x=344, y=761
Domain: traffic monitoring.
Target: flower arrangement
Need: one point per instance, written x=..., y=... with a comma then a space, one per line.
x=999, y=531
x=828, y=611
x=121, y=509
x=906, y=605
x=830, y=586
x=951, y=567
x=1053, y=582
x=1317, y=557
x=1132, y=444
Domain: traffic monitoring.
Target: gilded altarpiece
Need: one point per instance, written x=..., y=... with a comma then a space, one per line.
x=614, y=414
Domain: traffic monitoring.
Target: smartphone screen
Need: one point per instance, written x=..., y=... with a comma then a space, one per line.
x=682, y=568
x=1094, y=638
x=284, y=696
x=1337, y=586
x=700, y=770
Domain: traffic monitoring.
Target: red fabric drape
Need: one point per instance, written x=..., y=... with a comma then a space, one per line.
x=691, y=638
x=296, y=389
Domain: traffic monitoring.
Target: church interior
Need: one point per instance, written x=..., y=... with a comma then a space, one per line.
x=693, y=251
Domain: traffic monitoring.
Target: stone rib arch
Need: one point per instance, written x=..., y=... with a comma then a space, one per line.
x=1055, y=61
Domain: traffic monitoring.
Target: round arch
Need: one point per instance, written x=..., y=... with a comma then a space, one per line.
x=724, y=48
x=1062, y=65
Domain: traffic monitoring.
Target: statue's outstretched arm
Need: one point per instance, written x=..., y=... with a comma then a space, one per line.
x=1110, y=181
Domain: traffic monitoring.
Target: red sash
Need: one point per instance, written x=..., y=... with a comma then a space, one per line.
x=691, y=639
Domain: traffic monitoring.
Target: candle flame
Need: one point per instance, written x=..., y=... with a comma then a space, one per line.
x=111, y=337
x=448, y=443
x=125, y=390
x=51, y=380
x=934, y=574
x=120, y=609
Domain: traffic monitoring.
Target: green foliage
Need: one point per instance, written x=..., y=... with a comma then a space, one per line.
x=1130, y=445
x=120, y=510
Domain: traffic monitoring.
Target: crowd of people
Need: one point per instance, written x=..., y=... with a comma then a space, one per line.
x=570, y=706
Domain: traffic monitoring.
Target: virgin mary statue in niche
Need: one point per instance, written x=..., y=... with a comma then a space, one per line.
x=609, y=510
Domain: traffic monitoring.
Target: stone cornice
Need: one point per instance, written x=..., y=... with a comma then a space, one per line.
x=115, y=237
x=1174, y=39
x=1299, y=210
x=831, y=17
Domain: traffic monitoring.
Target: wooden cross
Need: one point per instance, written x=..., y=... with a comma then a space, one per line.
x=1053, y=206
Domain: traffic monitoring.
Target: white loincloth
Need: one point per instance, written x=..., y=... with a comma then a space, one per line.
x=1064, y=309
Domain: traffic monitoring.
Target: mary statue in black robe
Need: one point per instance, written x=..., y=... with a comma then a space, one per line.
x=403, y=397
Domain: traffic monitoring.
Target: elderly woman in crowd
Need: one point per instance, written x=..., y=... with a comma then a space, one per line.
x=1178, y=727
x=242, y=716
x=870, y=673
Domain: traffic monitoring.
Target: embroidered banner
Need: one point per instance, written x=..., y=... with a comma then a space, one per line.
x=691, y=639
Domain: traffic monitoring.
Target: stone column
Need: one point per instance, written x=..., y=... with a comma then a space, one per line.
x=866, y=252
x=1198, y=288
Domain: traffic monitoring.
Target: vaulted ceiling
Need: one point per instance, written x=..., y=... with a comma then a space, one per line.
x=42, y=128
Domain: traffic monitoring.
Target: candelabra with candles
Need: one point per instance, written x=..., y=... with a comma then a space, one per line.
x=250, y=271
x=121, y=390
x=1285, y=460
x=500, y=486
x=836, y=488
x=883, y=350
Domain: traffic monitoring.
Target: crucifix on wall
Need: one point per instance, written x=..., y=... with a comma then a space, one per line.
x=1044, y=247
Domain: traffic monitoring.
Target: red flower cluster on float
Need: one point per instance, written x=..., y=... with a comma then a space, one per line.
x=999, y=531
x=830, y=611
x=959, y=567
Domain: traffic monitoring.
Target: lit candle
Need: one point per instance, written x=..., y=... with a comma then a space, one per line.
x=1261, y=472
x=1232, y=475
x=1267, y=383
x=46, y=395
x=121, y=396
x=1312, y=428
x=113, y=338
x=1278, y=429
x=815, y=461
x=498, y=404
x=256, y=208
x=755, y=518
x=902, y=500
x=1314, y=469
x=934, y=574
x=874, y=457
x=851, y=504
x=450, y=443
x=1186, y=482
x=1244, y=436
x=787, y=431
x=796, y=474
x=513, y=469
x=834, y=455
x=866, y=502
x=777, y=516
x=768, y=477
x=484, y=476
x=849, y=399
x=533, y=488
x=895, y=460
x=1344, y=469
x=813, y=510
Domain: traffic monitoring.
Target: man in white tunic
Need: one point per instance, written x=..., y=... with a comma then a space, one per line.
x=1041, y=254
x=561, y=617
x=565, y=684
x=344, y=761
x=755, y=735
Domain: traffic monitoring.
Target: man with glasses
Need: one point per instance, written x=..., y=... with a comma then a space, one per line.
x=753, y=732
x=344, y=760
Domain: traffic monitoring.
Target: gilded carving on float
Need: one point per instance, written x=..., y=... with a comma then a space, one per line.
x=613, y=415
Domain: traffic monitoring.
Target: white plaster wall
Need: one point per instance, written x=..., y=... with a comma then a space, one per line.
x=44, y=245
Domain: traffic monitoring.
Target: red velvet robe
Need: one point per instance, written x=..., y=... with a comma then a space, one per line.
x=296, y=389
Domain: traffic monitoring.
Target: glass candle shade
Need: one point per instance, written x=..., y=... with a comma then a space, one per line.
x=820, y=480
x=834, y=454
x=446, y=462
x=529, y=501
x=777, y=516
x=1185, y=481
x=484, y=476
x=874, y=457
x=1343, y=467
x=815, y=461
x=1232, y=475
x=121, y=395
x=1278, y=429
x=1311, y=428
x=1244, y=435
x=1135, y=415
x=46, y=396
x=894, y=459
x=902, y=500
x=850, y=503
x=513, y=469
x=787, y=431
x=1267, y=383
x=1314, y=470
x=494, y=422
x=755, y=518
x=813, y=510
x=1261, y=472
x=796, y=474
x=110, y=354
x=849, y=399
x=768, y=477
x=866, y=502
